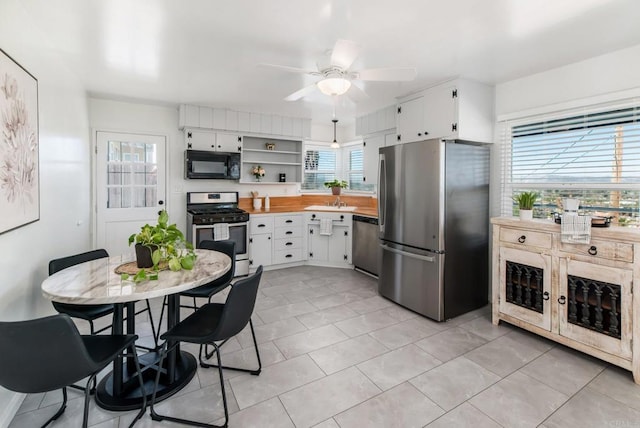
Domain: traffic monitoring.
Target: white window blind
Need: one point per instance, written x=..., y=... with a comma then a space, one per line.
x=320, y=165
x=594, y=156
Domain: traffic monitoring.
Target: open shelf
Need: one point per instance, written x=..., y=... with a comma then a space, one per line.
x=285, y=158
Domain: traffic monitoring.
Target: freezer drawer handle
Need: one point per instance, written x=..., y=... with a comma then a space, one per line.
x=404, y=253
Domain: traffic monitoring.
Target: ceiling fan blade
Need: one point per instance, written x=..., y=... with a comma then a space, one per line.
x=356, y=94
x=391, y=74
x=290, y=69
x=300, y=93
x=344, y=53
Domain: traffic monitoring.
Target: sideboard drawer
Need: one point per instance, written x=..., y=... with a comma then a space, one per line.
x=525, y=237
x=618, y=251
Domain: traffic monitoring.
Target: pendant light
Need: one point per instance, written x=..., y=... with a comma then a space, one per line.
x=334, y=144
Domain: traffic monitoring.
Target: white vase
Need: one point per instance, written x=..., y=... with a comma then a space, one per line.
x=526, y=214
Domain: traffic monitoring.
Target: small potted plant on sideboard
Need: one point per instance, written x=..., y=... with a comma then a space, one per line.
x=525, y=201
x=336, y=186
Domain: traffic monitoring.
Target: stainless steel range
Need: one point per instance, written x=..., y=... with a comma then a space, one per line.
x=206, y=209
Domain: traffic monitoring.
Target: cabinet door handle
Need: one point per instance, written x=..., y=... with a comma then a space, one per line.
x=562, y=300
x=522, y=239
x=593, y=250
x=545, y=295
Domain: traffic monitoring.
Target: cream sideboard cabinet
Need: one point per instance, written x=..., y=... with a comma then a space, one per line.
x=586, y=297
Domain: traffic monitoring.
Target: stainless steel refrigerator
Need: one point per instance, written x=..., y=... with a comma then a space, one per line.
x=433, y=211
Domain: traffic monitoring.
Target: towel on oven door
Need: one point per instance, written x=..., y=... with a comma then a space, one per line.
x=220, y=231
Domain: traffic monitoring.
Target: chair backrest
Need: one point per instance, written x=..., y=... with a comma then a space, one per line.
x=57, y=265
x=42, y=354
x=238, y=306
x=228, y=248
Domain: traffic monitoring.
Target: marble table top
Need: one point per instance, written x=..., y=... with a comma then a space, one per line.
x=95, y=282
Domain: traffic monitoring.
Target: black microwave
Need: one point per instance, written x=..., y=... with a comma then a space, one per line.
x=211, y=165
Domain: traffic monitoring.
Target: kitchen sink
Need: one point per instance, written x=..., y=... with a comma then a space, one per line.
x=329, y=208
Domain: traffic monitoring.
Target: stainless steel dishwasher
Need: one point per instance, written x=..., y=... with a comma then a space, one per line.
x=366, y=249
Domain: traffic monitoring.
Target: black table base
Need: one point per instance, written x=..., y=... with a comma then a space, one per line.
x=130, y=397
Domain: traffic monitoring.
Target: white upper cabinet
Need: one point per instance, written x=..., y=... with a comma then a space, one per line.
x=459, y=109
x=199, y=139
x=228, y=142
x=370, y=147
x=411, y=120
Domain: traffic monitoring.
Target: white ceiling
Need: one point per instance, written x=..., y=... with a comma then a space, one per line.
x=206, y=52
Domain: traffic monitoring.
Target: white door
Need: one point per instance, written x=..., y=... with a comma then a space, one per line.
x=130, y=186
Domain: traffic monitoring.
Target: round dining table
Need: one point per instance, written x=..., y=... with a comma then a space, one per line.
x=96, y=282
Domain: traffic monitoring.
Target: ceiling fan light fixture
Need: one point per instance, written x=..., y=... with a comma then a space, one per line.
x=334, y=85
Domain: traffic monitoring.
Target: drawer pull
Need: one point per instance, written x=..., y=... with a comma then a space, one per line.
x=545, y=295
x=522, y=239
x=262, y=225
x=288, y=232
x=562, y=300
x=289, y=221
x=289, y=256
x=593, y=250
x=289, y=243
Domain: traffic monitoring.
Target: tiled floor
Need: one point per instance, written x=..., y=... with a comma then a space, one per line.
x=335, y=354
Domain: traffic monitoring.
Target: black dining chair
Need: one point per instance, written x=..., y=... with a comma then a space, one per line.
x=49, y=353
x=212, y=323
x=208, y=290
x=90, y=313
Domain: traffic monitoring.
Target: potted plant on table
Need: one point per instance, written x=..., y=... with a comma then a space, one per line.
x=162, y=245
x=336, y=186
x=525, y=201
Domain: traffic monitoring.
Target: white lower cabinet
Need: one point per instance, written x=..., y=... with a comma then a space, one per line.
x=288, y=238
x=260, y=242
x=332, y=246
x=275, y=239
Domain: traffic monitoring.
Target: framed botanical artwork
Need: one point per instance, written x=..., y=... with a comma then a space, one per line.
x=19, y=147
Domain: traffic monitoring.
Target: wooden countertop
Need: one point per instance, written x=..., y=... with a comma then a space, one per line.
x=365, y=205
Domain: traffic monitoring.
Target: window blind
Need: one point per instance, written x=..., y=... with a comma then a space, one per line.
x=591, y=155
x=319, y=166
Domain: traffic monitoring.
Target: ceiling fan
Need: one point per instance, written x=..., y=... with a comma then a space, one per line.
x=336, y=78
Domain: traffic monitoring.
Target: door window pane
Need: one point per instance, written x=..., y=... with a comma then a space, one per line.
x=132, y=175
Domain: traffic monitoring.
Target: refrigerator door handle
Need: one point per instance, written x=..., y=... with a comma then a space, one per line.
x=382, y=189
x=404, y=253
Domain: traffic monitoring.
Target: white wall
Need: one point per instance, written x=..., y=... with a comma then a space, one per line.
x=615, y=75
x=605, y=74
x=65, y=180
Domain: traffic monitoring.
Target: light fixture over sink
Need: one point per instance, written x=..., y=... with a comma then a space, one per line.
x=334, y=144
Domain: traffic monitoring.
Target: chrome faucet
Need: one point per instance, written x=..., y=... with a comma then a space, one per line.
x=338, y=203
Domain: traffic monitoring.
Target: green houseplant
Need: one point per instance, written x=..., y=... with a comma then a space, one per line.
x=160, y=244
x=336, y=186
x=525, y=201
